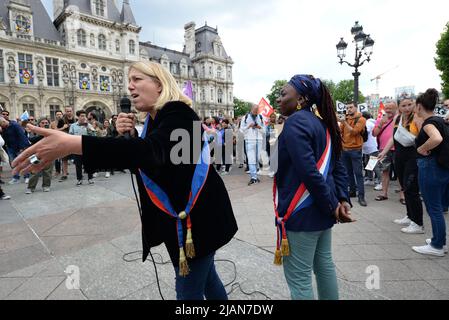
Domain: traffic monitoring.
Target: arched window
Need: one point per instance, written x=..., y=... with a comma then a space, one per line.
x=203, y=95
x=132, y=47
x=99, y=7
x=81, y=34
x=102, y=42
x=220, y=96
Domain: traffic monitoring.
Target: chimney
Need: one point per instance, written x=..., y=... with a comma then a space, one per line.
x=58, y=8
x=189, y=39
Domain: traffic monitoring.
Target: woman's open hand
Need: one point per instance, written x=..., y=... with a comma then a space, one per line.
x=54, y=145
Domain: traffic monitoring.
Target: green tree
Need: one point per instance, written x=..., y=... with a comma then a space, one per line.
x=442, y=60
x=241, y=107
x=275, y=91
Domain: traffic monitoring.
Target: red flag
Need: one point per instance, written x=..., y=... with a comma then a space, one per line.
x=381, y=111
x=265, y=109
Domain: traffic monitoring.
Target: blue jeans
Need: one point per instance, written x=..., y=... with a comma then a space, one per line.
x=202, y=281
x=311, y=250
x=434, y=184
x=352, y=160
x=253, y=150
x=13, y=154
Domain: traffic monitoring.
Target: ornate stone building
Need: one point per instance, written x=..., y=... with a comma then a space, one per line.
x=81, y=58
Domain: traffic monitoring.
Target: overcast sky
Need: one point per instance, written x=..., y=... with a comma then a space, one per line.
x=275, y=39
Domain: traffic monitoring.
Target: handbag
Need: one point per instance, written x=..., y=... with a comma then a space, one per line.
x=403, y=136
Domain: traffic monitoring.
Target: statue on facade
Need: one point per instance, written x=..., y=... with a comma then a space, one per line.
x=12, y=67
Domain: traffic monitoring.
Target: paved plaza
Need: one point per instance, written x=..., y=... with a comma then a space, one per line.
x=97, y=229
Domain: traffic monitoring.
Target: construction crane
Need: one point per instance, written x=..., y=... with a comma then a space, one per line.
x=377, y=78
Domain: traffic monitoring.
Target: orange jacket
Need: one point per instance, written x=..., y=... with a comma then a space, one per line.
x=352, y=139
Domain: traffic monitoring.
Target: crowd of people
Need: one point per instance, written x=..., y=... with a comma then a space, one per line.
x=16, y=137
x=316, y=157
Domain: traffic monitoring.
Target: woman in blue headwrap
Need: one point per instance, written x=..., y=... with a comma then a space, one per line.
x=310, y=188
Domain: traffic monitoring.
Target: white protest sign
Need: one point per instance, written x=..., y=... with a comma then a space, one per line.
x=363, y=107
x=341, y=107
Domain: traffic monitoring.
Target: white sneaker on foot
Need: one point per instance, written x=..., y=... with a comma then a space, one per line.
x=28, y=191
x=378, y=187
x=445, y=248
x=46, y=189
x=27, y=180
x=90, y=181
x=429, y=250
x=5, y=197
x=369, y=183
x=413, y=228
x=403, y=222
x=107, y=175
x=13, y=181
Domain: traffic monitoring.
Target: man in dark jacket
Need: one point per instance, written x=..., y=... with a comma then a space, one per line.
x=16, y=141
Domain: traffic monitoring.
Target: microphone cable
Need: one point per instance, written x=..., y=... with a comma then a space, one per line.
x=234, y=285
x=143, y=229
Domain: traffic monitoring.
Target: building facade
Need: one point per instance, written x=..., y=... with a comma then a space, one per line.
x=81, y=58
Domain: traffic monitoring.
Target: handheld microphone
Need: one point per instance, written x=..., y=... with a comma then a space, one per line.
x=125, y=107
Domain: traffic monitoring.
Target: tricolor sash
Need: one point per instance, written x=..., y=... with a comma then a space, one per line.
x=302, y=199
x=161, y=200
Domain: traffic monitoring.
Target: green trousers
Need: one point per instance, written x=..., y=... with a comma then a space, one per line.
x=311, y=251
x=46, y=177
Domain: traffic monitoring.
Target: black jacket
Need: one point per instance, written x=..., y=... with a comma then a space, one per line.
x=213, y=221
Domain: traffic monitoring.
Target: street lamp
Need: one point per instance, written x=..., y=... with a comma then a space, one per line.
x=363, y=46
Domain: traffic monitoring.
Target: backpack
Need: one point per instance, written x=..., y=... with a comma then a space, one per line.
x=364, y=132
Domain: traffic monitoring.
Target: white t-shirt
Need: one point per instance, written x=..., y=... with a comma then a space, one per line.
x=370, y=146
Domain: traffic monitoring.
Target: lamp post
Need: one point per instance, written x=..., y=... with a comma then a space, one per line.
x=363, y=46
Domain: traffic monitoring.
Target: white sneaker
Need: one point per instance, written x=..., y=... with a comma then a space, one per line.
x=27, y=180
x=46, y=189
x=403, y=222
x=413, y=228
x=107, y=175
x=95, y=175
x=13, y=181
x=429, y=250
x=445, y=248
x=5, y=197
x=28, y=191
x=224, y=173
x=378, y=187
x=91, y=182
x=369, y=183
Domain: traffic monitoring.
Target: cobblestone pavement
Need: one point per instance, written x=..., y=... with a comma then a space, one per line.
x=97, y=229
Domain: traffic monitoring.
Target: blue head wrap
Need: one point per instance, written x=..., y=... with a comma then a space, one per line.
x=308, y=87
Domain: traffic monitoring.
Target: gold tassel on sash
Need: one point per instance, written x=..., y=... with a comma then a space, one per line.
x=278, y=258
x=285, y=248
x=183, y=266
x=190, y=248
